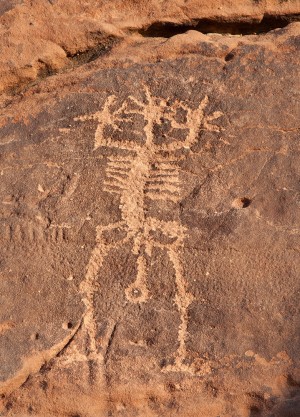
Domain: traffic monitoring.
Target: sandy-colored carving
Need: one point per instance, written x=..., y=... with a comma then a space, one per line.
x=142, y=171
x=34, y=233
x=6, y=325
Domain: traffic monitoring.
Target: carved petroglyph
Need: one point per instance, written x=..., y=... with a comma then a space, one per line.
x=33, y=233
x=139, y=171
x=6, y=325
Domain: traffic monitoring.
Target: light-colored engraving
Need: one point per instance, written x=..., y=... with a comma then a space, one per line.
x=6, y=325
x=33, y=233
x=138, y=172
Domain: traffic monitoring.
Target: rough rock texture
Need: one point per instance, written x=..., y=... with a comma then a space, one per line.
x=45, y=36
x=150, y=208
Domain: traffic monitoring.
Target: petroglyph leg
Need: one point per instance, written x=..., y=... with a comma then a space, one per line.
x=89, y=286
x=182, y=300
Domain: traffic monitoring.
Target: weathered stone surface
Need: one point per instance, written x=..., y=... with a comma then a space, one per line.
x=46, y=36
x=150, y=208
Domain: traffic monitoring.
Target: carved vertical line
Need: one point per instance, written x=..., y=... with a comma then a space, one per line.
x=88, y=288
x=182, y=300
x=137, y=292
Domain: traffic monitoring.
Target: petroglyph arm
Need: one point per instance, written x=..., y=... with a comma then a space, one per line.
x=196, y=120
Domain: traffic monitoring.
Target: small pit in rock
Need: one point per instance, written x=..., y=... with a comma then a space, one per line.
x=241, y=202
x=229, y=56
x=67, y=326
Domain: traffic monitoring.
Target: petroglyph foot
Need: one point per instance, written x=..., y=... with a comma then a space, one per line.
x=182, y=365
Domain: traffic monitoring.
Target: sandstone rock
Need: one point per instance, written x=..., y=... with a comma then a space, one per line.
x=150, y=209
x=43, y=37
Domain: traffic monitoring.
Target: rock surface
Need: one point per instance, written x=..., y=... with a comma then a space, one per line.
x=150, y=208
x=46, y=36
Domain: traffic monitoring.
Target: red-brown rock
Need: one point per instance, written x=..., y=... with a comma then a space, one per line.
x=150, y=208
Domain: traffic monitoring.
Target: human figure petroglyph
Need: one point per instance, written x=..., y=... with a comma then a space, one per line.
x=140, y=171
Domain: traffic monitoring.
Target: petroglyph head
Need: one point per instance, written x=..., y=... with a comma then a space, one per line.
x=152, y=123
